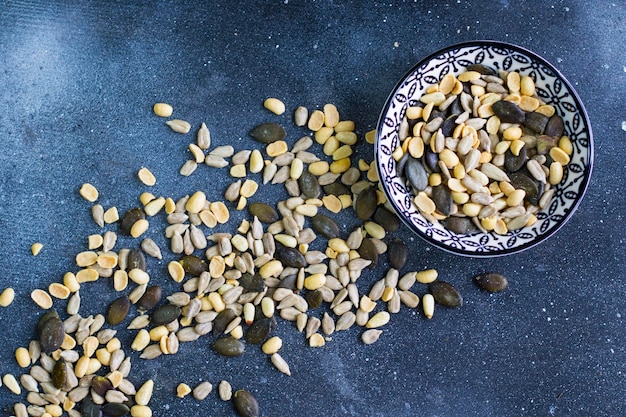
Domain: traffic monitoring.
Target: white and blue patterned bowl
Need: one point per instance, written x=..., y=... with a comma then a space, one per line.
x=552, y=88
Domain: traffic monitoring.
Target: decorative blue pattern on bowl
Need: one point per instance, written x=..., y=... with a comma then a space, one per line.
x=551, y=87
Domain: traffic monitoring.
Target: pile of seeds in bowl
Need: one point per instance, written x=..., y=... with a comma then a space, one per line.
x=481, y=151
x=233, y=285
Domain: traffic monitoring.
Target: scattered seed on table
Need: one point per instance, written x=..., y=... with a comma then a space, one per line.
x=162, y=109
x=6, y=297
x=179, y=126
x=89, y=192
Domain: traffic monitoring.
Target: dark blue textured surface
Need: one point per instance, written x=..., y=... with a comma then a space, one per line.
x=77, y=85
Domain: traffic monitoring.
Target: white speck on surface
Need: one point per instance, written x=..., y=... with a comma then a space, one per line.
x=605, y=66
x=624, y=125
x=559, y=60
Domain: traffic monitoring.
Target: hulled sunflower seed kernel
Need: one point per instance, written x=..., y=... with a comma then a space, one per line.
x=36, y=248
x=274, y=105
x=225, y=390
x=162, y=109
x=280, y=364
x=179, y=126
x=41, y=298
x=202, y=390
x=371, y=336
x=182, y=390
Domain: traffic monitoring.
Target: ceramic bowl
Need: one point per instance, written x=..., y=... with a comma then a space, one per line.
x=551, y=87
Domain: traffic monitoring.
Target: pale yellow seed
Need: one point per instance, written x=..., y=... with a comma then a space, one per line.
x=556, y=173
x=513, y=81
x=342, y=152
x=370, y=137
x=256, y=162
x=332, y=203
x=377, y=320
x=276, y=148
x=566, y=145
x=216, y=302
x=144, y=393
x=87, y=275
x=146, y=177
x=424, y=203
x=516, y=198
x=139, y=228
x=488, y=223
x=527, y=103
x=35, y=248
x=120, y=280
x=89, y=192
x=238, y=171
x=58, y=290
x=154, y=206
x=314, y=281
x=86, y=258
x=416, y=147
x=170, y=205
x=41, y=298
x=316, y=340
x=527, y=86
x=111, y=215
x=344, y=126
x=341, y=166
x=316, y=120
x=182, y=390
x=22, y=357
x=331, y=115
x=516, y=146
x=468, y=76
x=500, y=227
x=374, y=230
x=94, y=241
x=427, y=276
x=331, y=145
x=338, y=245
x=502, y=147
x=308, y=210
x=162, y=109
x=274, y=105
x=546, y=109
x=220, y=211
x=428, y=304
x=146, y=197
x=347, y=138
x=448, y=157
x=322, y=135
x=436, y=98
x=249, y=188
x=140, y=411
x=447, y=83
x=7, y=297
x=139, y=276
x=272, y=345
x=559, y=155
x=11, y=383
x=196, y=202
x=319, y=168
x=297, y=167
x=179, y=126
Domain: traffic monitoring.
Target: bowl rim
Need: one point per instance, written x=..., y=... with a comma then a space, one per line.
x=583, y=113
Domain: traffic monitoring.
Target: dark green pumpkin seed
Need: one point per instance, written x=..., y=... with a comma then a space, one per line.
x=416, y=174
x=508, y=112
x=260, y=329
x=165, y=314
x=59, y=373
x=100, y=385
x=445, y=294
x=431, y=160
x=118, y=310
x=336, y=189
x=228, y=346
x=366, y=203
x=264, y=212
x=536, y=122
x=43, y=319
x=129, y=218
x=90, y=409
x=309, y=186
x=193, y=265
x=555, y=127
x=290, y=282
x=245, y=404
x=326, y=226
x=136, y=259
x=290, y=256
x=368, y=251
x=222, y=320
x=529, y=185
x=115, y=410
x=251, y=282
x=150, y=298
x=442, y=197
x=268, y=133
x=387, y=219
x=448, y=125
x=52, y=334
x=545, y=143
x=313, y=298
x=515, y=162
x=491, y=282
x=398, y=254
x=460, y=225
x=481, y=69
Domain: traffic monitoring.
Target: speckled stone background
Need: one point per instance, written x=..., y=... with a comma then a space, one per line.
x=77, y=83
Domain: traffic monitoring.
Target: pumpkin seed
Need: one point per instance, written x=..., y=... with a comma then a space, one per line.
x=268, y=133
x=245, y=404
x=150, y=298
x=118, y=310
x=366, y=203
x=263, y=212
x=51, y=332
x=491, y=282
x=445, y=294
x=165, y=314
x=398, y=254
x=228, y=346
